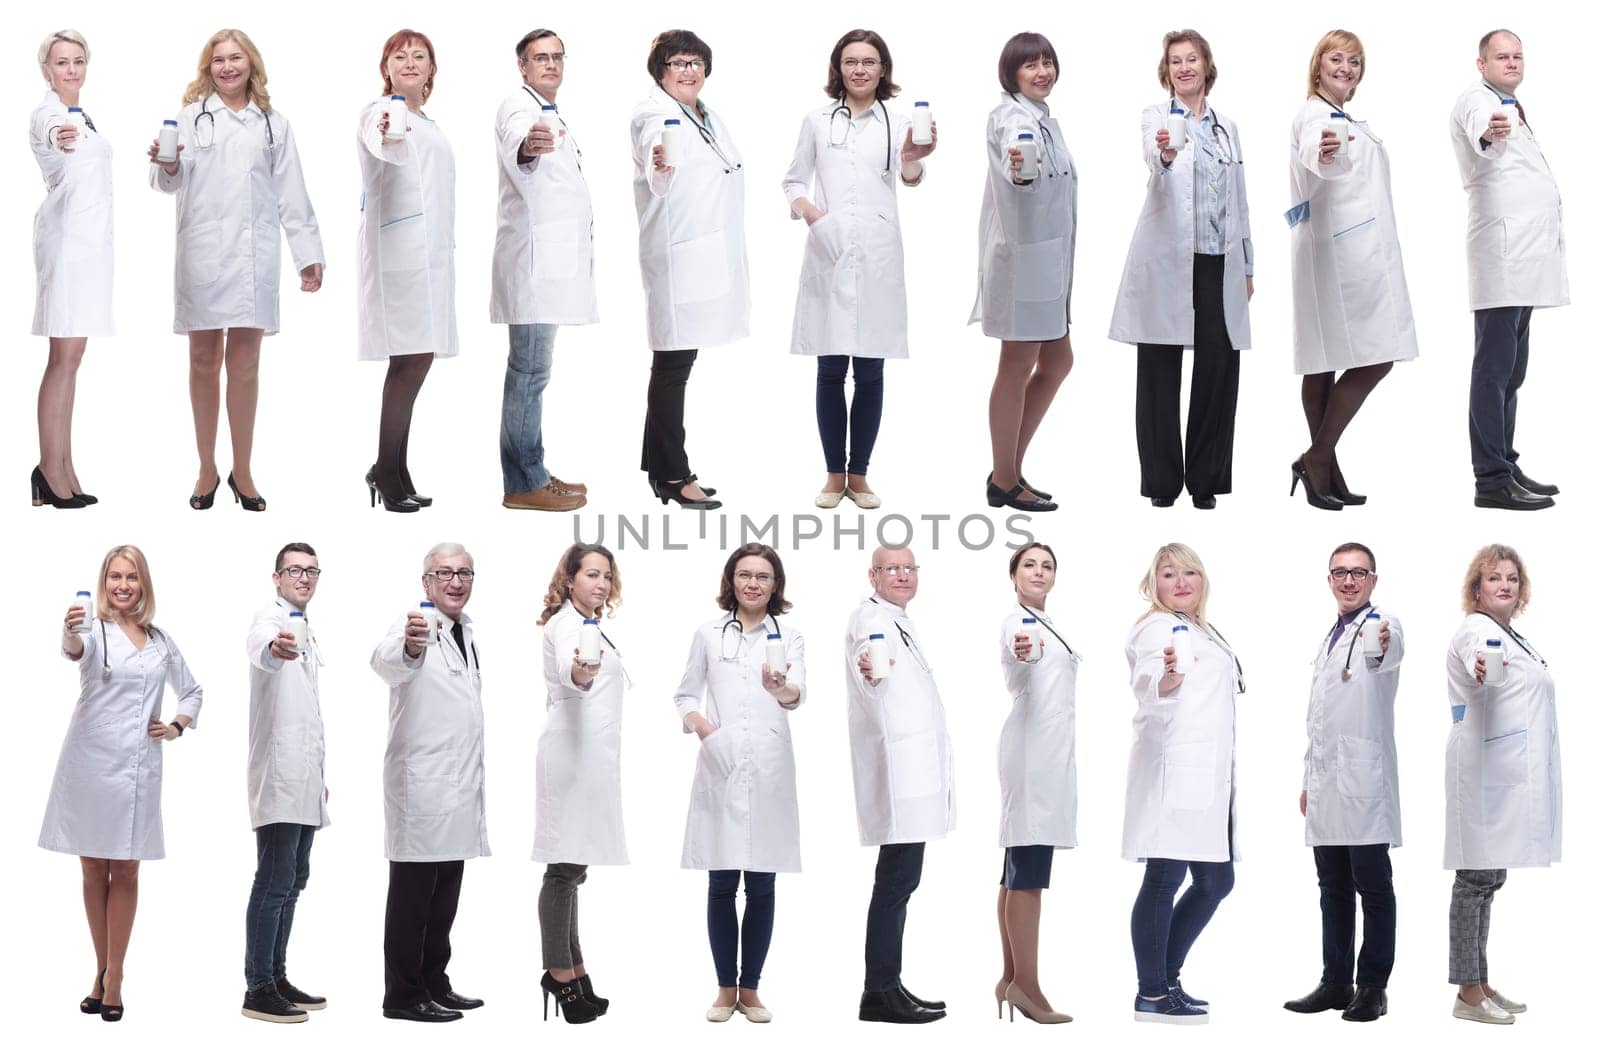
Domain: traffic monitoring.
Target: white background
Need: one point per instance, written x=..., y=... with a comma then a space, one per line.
x=751, y=433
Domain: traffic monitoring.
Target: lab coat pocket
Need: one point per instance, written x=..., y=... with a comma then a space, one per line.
x=699, y=268
x=403, y=243
x=825, y=244
x=430, y=784
x=716, y=757
x=1530, y=239
x=1040, y=270
x=1505, y=760
x=1188, y=776
x=914, y=770
x=202, y=254
x=561, y=250
x=1360, y=768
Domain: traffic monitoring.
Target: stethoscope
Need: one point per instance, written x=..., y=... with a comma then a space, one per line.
x=728, y=167
x=1359, y=623
x=1047, y=151
x=578, y=154
x=626, y=680
x=205, y=112
x=843, y=137
x=1211, y=630
x=1040, y=619
x=1336, y=108
x=1218, y=133
x=1521, y=641
x=911, y=645
x=466, y=664
x=105, y=649
x=1498, y=98
x=739, y=637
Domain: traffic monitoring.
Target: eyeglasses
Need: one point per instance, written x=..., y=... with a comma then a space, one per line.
x=684, y=65
x=1360, y=574
x=545, y=58
x=466, y=574
x=860, y=64
x=296, y=571
x=760, y=578
x=900, y=570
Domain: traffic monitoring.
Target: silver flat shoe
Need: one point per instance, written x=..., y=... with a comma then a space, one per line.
x=1508, y=1004
x=1486, y=1012
x=719, y=1014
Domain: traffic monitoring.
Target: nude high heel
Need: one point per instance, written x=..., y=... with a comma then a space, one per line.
x=1032, y=1011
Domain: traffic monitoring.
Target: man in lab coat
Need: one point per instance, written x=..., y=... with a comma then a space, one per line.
x=1351, y=794
x=288, y=798
x=900, y=760
x=433, y=793
x=1516, y=262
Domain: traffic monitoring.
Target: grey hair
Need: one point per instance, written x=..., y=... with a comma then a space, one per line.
x=444, y=549
x=67, y=36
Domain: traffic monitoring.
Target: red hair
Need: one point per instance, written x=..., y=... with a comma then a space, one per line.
x=399, y=40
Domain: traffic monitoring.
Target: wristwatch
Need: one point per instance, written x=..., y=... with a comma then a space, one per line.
x=178, y=727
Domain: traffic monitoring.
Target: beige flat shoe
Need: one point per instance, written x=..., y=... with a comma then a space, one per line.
x=829, y=499
x=864, y=499
x=1486, y=1012
x=719, y=1014
x=756, y=1015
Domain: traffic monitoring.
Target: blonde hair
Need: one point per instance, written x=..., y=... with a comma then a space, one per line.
x=1486, y=560
x=567, y=568
x=144, y=612
x=61, y=36
x=202, y=85
x=1335, y=40
x=1181, y=556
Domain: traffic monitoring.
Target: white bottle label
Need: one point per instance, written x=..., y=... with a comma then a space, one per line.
x=878, y=656
x=430, y=614
x=1510, y=110
x=167, y=144
x=297, y=626
x=777, y=656
x=1030, y=160
x=1182, y=650
x=1371, y=638
x=672, y=145
x=399, y=117
x=1494, y=666
x=1177, y=131
x=589, y=643
x=921, y=125
x=1341, y=132
x=83, y=600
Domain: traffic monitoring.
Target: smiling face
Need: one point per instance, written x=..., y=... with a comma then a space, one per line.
x=1339, y=72
x=1500, y=591
x=684, y=84
x=1178, y=588
x=754, y=579
x=230, y=71
x=450, y=597
x=65, y=68
x=1035, y=577
x=861, y=67
x=1036, y=77
x=590, y=588
x=1186, y=68
x=1501, y=64
x=297, y=591
x=123, y=587
x=1349, y=593
x=544, y=65
x=409, y=69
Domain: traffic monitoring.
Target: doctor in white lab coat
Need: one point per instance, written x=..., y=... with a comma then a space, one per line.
x=237, y=179
x=1350, y=796
x=105, y=800
x=1516, y=262
x=1187, y=283
x=406, y=307
x=284, y=779
x=1027, y=235
x=744, y=812
x=851, y=309
x=691, y=249
x=1179, y=815
x=1038, y=773
x=71, y=253
x=1351, y=308
x=578, y=767
x=1502, y=770
x=433, y=787
x=900, y=759
x=543, y=273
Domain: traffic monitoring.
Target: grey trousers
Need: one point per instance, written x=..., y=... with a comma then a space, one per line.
x=558, y=915
x=1469, y=924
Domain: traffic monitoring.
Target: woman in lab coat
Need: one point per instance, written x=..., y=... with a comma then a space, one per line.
x=851, y=311
x=237, y=178
x=1179, y=814
x=1351, y=308
x=1027, y=233
x=1187, y=282
x=406, y=267
x=1038, y=774
x=578, y=812
x=744, y=814
x=1502, y=770
x=691, y=249
x=71, y=253
x=105, y=801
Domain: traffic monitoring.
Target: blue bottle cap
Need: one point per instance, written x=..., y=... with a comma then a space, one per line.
x=547, y=106
x=1508, y=102
x=172, y=123
x=392, y=98
x=1025, y=135
x=1180, y=629
x=297, y=614
x=591, y=622
x=1338, y=116
x=1029, y=621
x=673, y=121
x=1175, y=107
x=74, y=109
x=874, y=636
x=83, y=592
x=774, y=636
x=920, y=104
x=1373, y=614
x=1492, y=642
x=429, y=604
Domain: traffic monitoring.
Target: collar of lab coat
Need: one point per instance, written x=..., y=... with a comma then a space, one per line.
x=531, y=90
x=875, y=111
x=701, y=114
x=764, y=627
x=1037, y=109
x=1498, y=94
x=286, y=606
x=213, y=104
x=1210, y=115
x=895, y=610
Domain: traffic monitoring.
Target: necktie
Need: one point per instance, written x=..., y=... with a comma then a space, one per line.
x=461, y=639
x=1522, y=115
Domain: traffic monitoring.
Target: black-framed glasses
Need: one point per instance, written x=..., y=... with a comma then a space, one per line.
x=445, y=575
x=296, y=571
x=1359, y=574
x=681, y=65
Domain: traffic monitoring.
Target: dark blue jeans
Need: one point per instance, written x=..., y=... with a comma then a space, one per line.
x=283, y=864
x=1342, y=870
x=863, y=415
x=722, y=924
x=1162, y=933
x=899, y=873
x=522, y=408
x=1499, y=364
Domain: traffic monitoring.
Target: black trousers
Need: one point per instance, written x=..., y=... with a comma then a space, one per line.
x=1207, y=468
x=1499, y=364
x=1342, y=872
x=416, y=930
x=898, y=875
x=663, y=456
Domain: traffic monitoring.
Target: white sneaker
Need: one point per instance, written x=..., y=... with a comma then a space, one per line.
x=1486, y=1012
x=1508, y=1004
x=756, y=1015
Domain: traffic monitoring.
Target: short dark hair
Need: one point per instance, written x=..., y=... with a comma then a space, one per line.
x=292, y=547
x=1016, y=557
x=1356, y=547
x=538, y=34
x=675, y=42
x=1024, y=47
x=887, y=88
x=728, y=601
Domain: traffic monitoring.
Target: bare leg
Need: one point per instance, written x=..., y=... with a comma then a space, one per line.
x=56, y=390
x=1022, y=927
x=1008, y=967
x=1006, y=400
x=1055, y=362
x=121, y=902
x=747, y=996
x=96, y=880
x=205, y=398
x=243, y=358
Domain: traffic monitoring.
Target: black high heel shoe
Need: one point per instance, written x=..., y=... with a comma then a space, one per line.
x=42, y=494
x=569, y=999
x=1315, y=498
x=422, y=500
x=205, y=501
x=1338, y=489
x=247, y=502
x=87, y=499
x=998, y=498
x=92, y=1004
x=404, y=503
x=601, y=1005
x=707, y=491
x=674, y=492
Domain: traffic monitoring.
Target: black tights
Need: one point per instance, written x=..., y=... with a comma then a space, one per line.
x=400, y=388
x=1330, y=406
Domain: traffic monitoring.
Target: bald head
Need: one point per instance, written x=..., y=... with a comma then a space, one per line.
x=1500, y=60
x=894, y=575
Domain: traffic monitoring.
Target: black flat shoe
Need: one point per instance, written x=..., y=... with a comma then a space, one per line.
x=404, y=503
x=92, y=1004
x=1323, y=997
x=926, y=1004
x=1163, y=503
x=1314, y=498
x=1368, y=1005
x=570, y=1000
x=600, y=1004
x=42, y=495
x=1533, y=486
x=1204, y=501
x=1046, y=495
x=895, y=1007
x=429, y=1012
x=1513, y=497
x=456, y=1001
x=1013, y=499
x=247, y=502
x=674, y=492
x=204, y=501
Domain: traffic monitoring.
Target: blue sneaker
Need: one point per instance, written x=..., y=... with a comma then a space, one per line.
x=1177, y=990
x=1168, y=1010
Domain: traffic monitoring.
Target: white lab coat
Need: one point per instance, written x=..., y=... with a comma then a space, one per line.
x=1155, y=302
x=72, y=230
x=1351, y=306
x=691, y=230
x=433, y=788
x=544, y=242
x=1038, y=762
x=406, y=257
x=1352, y=771
x=233, y=196
x=284, y=777
x=1502, y=769
x=900, y=753
x=1027, y=235
x=578, y=768
x=852, y=298
x=1181, y=771
x=105, y=801
x=1516, y=250
x=744, y=812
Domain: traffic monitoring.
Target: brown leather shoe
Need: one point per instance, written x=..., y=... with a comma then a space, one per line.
x=546, y=499
x=570, y=488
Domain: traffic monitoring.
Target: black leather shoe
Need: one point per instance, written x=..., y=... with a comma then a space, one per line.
x=1163, y=503
x=1315, y=498
x=1205, y=501
x=1368, y=1005
x=429, y=1012
x=896, y=1008
x=570, y=1001
x=1043, y=495
x=1532, y=486
x=456, y=1001
x=1513, y=497
x=303, y=1000
x=1323, y=997
x=601, y=1004
x=926, y=1004
x=1013, y=497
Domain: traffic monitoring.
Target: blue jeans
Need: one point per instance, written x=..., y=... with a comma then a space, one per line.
x=898, y=875
x=722, y=924
x=522, y=408
x=283, y=864
x=1162, y=934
